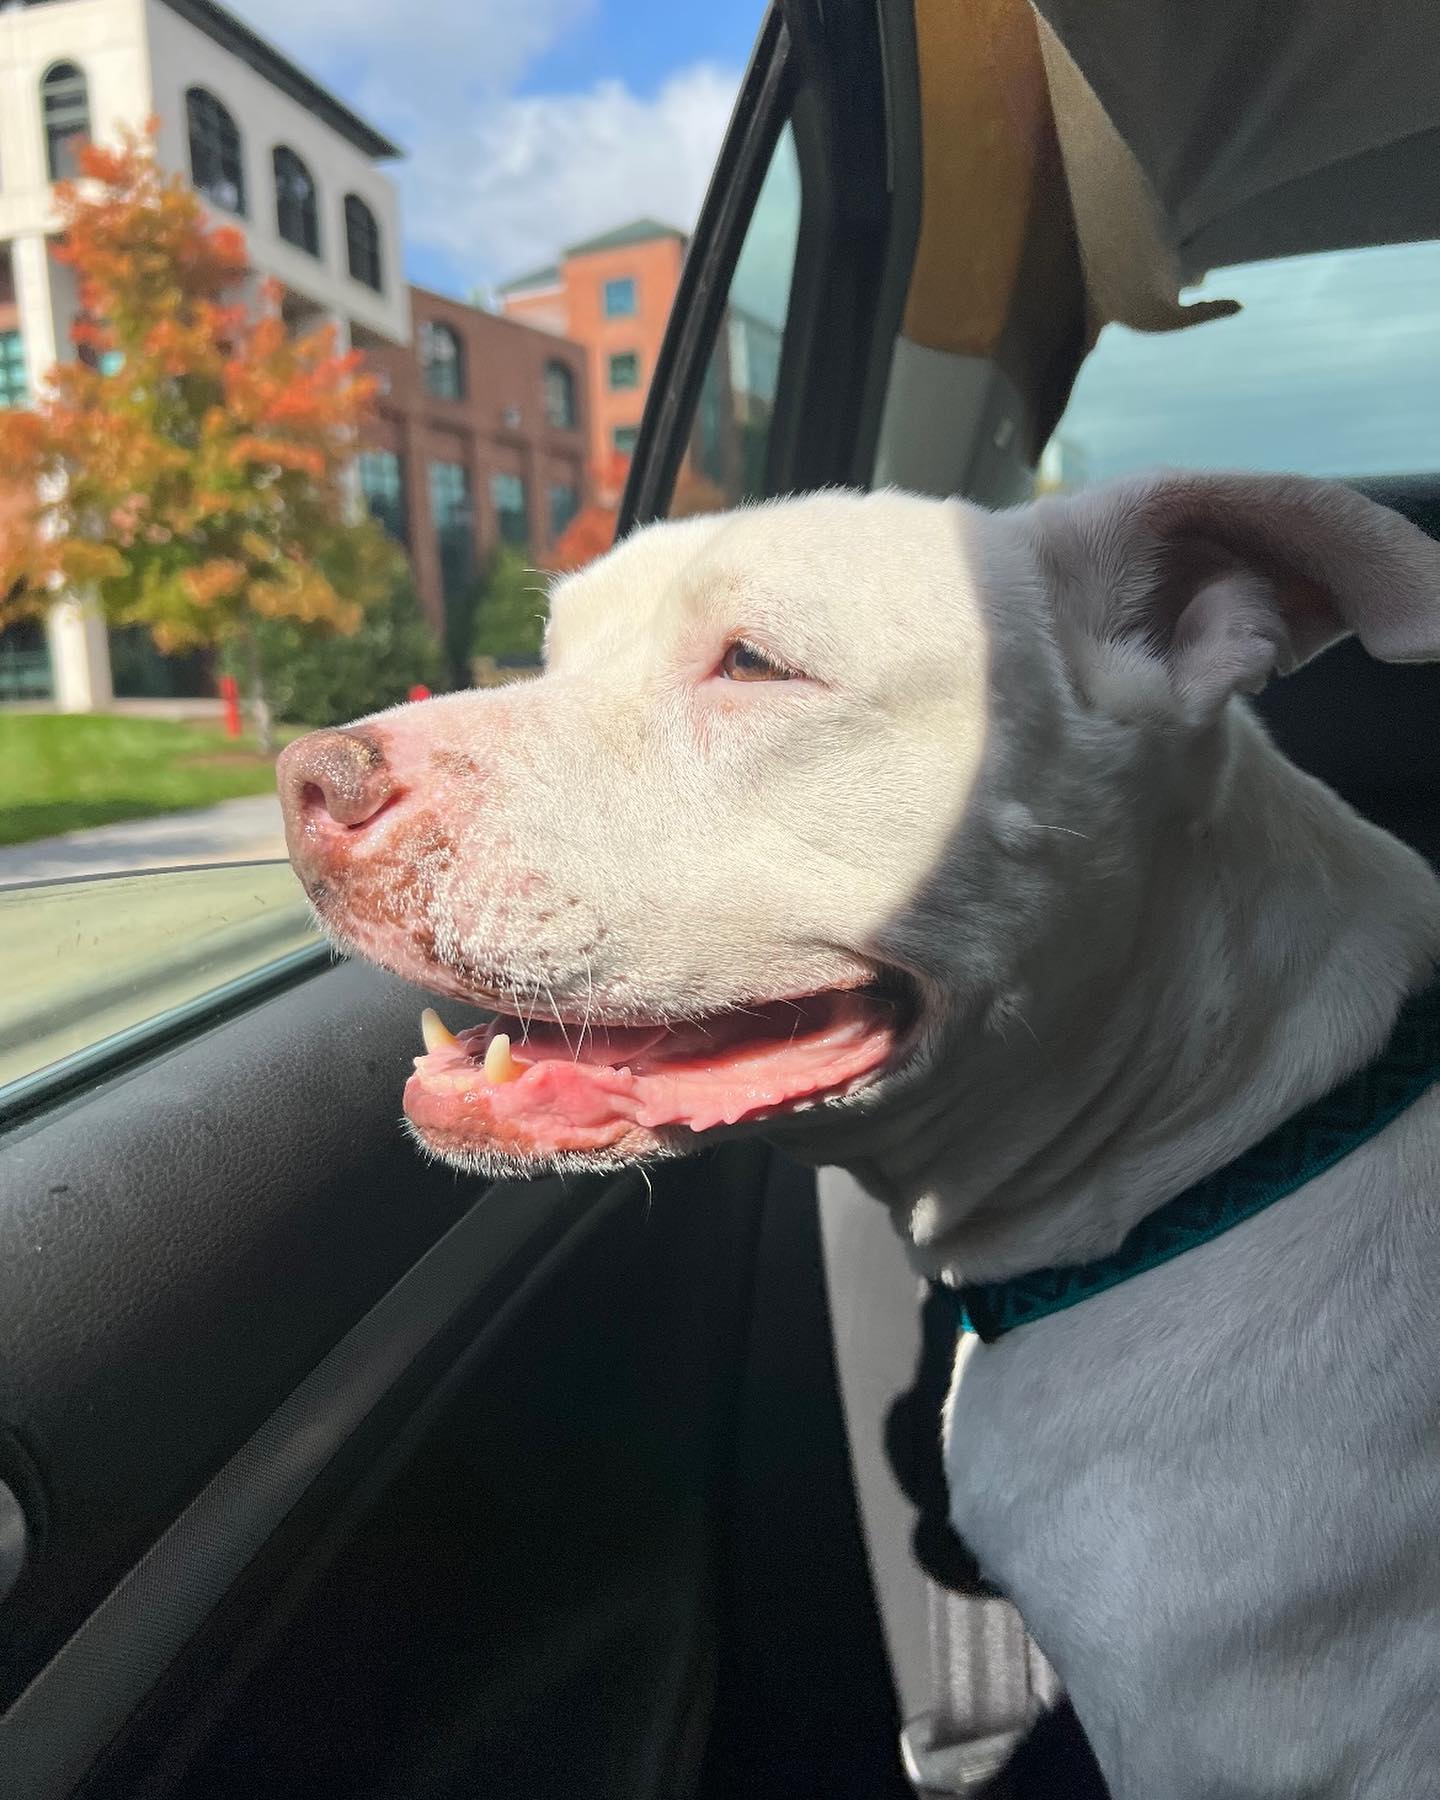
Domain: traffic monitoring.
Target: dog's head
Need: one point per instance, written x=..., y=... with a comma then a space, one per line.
x=804, y=785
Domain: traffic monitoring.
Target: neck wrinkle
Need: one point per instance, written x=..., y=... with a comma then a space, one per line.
x=1264, y=962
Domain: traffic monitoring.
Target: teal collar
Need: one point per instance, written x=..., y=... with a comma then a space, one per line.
x=1308, y=1143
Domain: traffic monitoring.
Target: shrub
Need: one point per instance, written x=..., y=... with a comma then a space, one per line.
x=510, y=608
x=316, y=678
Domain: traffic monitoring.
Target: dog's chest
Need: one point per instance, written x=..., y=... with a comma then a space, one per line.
x=1215, y=1507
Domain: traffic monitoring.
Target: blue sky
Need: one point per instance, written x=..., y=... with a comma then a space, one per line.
x=1332, y=367
x=529, y=123
x=644, y=41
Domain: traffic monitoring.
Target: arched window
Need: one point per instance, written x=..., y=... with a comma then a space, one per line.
x=362, y=242
x=216, y=165
x=441, y=361
x=65, y=102
x=560, y=395
x=297, y=209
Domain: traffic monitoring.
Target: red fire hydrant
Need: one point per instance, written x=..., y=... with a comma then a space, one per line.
x=230, y=694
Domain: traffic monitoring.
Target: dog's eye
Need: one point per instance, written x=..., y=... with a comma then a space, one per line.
x=743, y=662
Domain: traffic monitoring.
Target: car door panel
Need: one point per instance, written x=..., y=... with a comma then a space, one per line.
x=221, y=1324
x=540, y=1573
x=172, y=1265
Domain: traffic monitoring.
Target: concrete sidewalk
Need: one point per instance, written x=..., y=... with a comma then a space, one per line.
x=234, y=831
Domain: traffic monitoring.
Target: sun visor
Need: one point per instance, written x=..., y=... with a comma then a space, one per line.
x=1132, y=275
x=1038, y=225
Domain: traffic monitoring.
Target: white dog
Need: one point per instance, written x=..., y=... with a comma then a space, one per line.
x=935, y=843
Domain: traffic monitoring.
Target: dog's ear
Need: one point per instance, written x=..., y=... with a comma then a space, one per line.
x=1193, y=587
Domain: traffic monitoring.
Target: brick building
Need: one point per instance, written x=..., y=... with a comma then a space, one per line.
x=264, y=145
x=482, y=441
x=612, y=294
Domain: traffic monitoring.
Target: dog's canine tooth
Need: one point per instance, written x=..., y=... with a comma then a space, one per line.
x=435, y=1032
x=500, y=1065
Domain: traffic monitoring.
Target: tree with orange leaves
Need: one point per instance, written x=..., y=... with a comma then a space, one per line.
x=592, y=531
x=189, y=469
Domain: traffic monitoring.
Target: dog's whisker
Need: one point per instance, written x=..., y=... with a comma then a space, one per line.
x=565, y=1035
x=589, y=998
x=526, y=1019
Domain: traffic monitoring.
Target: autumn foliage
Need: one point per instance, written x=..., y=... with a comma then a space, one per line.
x=592, y=531
x=189, y=469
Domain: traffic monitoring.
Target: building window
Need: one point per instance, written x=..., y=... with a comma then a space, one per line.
x=623, y=438
x=620, y=298
x=507, y=496
x=65, y=102
x=362, y=242
x=560, y=396
x=440, y=362
x=454, y=520
x=297, y=206
x=564, y=504
x=217, y=166
x=382, y=483
x=625, y=369
x=14, y=390
x=104, y=362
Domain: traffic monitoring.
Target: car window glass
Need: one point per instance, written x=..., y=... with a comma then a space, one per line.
x=347, y=464
x=1331, y=368
x=87, y=959
x=725, y=460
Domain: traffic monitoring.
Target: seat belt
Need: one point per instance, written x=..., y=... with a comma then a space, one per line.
x=969, y=1680
x=991, y=1683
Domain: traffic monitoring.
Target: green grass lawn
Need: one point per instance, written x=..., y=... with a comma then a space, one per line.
x=67, y=772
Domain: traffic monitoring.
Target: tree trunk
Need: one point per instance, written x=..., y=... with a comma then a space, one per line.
x=258, y=705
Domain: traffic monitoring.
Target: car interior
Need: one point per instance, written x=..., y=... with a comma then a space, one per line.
x=328, y=1472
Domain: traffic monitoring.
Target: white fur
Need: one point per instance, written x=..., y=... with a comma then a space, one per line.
x=1142, y=939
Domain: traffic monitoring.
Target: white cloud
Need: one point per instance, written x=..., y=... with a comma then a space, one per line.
x=421, y=54
x=506, y=188
x=495, y=181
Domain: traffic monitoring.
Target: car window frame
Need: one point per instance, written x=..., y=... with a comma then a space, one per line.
x=849, y=95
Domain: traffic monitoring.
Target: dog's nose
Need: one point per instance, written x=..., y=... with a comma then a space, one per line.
x=339, y=775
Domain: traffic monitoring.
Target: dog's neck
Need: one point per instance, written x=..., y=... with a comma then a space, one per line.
x=1264, y=961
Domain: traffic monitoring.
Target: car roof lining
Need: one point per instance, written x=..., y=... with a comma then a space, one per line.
x=1082, y=164
x=1231, y=106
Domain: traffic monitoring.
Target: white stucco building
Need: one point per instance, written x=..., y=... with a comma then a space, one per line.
x=267, y=146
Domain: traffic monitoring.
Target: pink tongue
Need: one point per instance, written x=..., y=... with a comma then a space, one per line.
x=703, y=1094
x=583, y=1095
